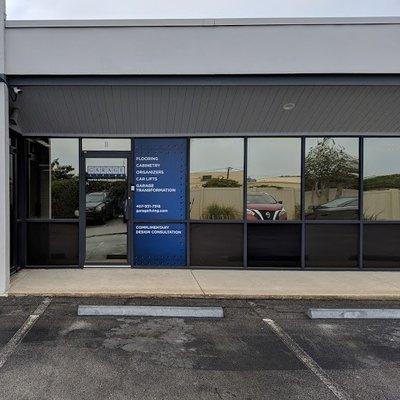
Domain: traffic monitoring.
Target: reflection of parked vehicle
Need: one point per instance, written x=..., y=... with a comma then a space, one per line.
x=99, y=207
x=263, y=206
x=341, y=208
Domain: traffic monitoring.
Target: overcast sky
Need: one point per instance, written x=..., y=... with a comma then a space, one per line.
x=125, y=9
x=216, y=154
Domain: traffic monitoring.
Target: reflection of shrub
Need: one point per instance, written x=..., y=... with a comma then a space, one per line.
x=297, y=211
x=268, y=186
x=215, y=211
x=372, y=217
x=221, y=182
x=382, y=182
x=65, y=197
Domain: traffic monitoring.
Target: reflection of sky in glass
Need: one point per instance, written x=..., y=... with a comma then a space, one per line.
x=67, y=152
x=381, y=156
x=216, y=154
x=273, y=157
x=266, y=157
x=350, y=145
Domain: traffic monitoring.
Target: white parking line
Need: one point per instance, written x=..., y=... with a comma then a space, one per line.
x=13, y=343
x=152, y=311
x=307, y=360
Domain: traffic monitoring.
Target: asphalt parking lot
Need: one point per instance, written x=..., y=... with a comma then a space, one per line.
x=64, y=356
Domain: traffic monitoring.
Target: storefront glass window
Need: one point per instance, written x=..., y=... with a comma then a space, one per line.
x=216, y=245
x=273, y=235
x=332, y=246
x=53, y=178
x=381, y=197
x=52, y=243
x=273, y=179
x=331, y=178
x=274, y=245
x=381, y=246
x=216, y=179
x=107, y=212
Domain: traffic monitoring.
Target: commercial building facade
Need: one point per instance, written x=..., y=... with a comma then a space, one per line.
x=201, y=144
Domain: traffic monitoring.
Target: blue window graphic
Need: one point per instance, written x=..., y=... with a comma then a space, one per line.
x=160, y=179
x=160, y=244
x=159, y=206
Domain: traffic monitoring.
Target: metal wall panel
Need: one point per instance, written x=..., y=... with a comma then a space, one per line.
x=204, y=47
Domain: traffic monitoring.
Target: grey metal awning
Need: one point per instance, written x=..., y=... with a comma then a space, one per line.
x=207, y=109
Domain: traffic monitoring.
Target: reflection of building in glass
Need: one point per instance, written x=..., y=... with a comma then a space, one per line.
x=197, y=179
x=275, y=181
x=216, y=194
x=381, y=198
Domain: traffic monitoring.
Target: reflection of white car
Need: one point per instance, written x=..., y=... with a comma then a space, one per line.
x=340, y=208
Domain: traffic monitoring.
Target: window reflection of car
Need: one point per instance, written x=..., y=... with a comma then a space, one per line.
x=263, y=206
x=340, y=208
x=99, y=207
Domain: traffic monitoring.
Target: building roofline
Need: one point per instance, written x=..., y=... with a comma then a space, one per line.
x=200, y=22
x=209, y=80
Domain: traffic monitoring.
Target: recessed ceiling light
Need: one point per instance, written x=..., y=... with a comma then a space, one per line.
x=289, y=106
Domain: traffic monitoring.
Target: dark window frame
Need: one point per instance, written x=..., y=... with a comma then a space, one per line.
x=25, y=219
x=302, y=221
x=27, y=183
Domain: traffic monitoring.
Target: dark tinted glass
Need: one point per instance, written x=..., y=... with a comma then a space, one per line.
x=273, y=179
x=273, y=245
x=331, y=178
x=216, y=245
x=53, y=178
x=16, y=255
x=381, y=179
x=52, y=243
x=381, y=246
x=216, y=179
x=330, y=246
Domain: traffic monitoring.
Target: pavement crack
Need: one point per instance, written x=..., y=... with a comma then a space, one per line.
x=216, y=391
x=198, y=284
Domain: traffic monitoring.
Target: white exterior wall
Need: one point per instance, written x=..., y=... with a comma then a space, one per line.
x=204, y=47
x=198, y=47
x=4, y=166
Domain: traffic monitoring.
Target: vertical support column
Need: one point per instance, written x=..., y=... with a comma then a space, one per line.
x=4, y=192
x=4, y=169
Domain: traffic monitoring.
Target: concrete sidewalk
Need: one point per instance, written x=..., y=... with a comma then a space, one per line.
x=206, y=283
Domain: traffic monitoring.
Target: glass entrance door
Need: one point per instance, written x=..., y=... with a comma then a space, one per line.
x=107, y=210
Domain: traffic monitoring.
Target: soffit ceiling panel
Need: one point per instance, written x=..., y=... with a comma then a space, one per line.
x=206, y=110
